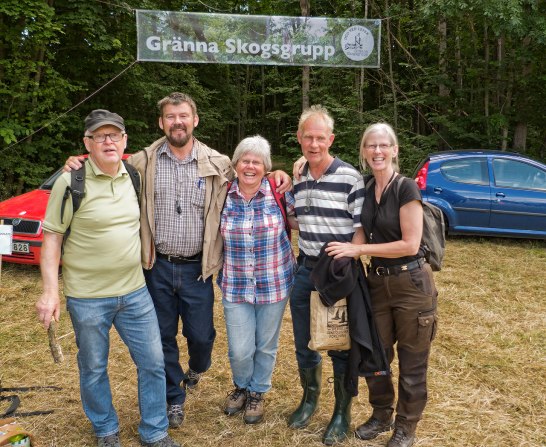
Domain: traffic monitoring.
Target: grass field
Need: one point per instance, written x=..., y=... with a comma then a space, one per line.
x=487, y=371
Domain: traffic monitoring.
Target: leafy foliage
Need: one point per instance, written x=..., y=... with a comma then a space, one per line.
x=457, y=74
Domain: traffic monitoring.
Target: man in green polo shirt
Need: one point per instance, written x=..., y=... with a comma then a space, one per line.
x=104, y=284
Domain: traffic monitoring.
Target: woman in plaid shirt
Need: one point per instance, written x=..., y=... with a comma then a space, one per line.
x=256, y=278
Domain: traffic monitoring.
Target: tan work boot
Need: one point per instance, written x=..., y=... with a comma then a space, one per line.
x=235, y=401
x=254, y=410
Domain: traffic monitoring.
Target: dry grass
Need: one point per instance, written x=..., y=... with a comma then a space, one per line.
x=487, y=371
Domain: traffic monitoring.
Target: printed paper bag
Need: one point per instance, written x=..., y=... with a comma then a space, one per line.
x=329, y=325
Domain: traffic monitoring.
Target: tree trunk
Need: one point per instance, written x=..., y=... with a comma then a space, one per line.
x=443, y=91
x=486, y=58
x=391, y=72
x=305, y=6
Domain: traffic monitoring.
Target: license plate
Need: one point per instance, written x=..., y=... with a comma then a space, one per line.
x=20, y=247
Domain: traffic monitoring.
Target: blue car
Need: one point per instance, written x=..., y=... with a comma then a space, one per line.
x=484, y=192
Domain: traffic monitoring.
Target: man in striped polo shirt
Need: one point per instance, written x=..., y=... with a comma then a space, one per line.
x=329, y=197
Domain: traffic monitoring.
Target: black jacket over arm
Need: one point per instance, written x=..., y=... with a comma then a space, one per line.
x=335, y=279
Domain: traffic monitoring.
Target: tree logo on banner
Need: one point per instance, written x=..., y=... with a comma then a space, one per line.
x=357, y=42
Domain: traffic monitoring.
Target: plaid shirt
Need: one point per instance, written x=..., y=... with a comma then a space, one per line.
x=259, y=264
x=179, y=204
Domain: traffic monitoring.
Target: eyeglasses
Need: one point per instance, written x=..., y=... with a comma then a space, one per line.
x=383, y=147
x=101, y=137
x=251, y=163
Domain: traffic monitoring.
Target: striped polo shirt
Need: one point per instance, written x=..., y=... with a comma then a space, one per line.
x=328, y=208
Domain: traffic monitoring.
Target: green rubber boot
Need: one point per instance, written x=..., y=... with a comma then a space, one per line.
x=310, y=379
x=341, y=418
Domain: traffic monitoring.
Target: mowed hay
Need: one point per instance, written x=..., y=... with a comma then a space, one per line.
x=486, y=379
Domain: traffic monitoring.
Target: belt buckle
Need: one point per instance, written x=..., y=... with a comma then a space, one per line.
x=380, y=271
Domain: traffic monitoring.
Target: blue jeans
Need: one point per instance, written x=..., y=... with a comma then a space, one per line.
x=177, y=293
x=134, y=318
x=253, y=339
x=300, y=308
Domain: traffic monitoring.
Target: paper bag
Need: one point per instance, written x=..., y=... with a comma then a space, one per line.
x=329, y=325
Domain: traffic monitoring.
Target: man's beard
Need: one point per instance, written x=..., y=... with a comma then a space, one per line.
x=178, y=141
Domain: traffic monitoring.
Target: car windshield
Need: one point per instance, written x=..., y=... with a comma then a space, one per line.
x=48, y=184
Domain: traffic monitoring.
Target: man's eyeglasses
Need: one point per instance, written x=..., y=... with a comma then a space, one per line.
x=383, y=147
x=101, y=137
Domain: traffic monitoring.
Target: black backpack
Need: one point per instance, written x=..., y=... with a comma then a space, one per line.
x=77, y=190
x=434, y=230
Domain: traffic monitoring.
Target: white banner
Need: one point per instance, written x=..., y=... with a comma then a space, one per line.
x=6, y=238
x=168, y=36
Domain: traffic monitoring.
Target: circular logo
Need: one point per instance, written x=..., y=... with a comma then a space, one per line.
x=357, y=42
x=16, y=222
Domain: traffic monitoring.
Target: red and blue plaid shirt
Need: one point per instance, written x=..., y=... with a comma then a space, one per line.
x=259, y=264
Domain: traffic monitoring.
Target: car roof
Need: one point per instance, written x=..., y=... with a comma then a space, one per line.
x=476, y=152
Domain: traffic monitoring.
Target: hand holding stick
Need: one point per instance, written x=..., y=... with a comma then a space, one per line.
x=54, y=345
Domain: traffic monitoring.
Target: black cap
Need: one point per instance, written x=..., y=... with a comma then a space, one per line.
x=100, y=117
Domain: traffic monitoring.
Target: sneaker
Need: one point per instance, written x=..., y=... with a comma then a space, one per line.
x=109, y=441
x=167, y=441
x=401, y=439
x=192, y=379
x=372, y=428
x=175, y=414
x=254, y=409
x=235, y=401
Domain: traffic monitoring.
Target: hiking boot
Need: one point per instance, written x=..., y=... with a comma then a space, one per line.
x=235, y=401
x=254, y=410
x=372, y=428
x=167, y=441
x=401, y=438
x=175, y=414
x=192, y=379
x=109, y=441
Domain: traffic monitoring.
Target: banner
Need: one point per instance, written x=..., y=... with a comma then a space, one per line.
x=168, y=36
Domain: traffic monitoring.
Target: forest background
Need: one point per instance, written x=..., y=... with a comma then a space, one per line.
x=454, y=74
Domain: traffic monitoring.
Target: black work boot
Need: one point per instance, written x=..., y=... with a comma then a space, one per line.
x=310, y=379
x=341, y=418
x=380, y=421
x=401, y=438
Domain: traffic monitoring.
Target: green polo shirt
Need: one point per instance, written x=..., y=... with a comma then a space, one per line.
x=102, y=253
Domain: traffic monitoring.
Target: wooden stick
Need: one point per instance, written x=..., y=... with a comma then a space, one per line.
x=54, y=345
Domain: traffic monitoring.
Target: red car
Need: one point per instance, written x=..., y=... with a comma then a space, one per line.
x=26, y=213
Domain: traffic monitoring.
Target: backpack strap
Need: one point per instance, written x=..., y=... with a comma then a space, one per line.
x=281, y=203
x=77, y=191
x=135, y=178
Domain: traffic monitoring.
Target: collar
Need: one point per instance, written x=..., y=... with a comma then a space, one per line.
x=165, y=150
x=264, y=187
x=97, y=171
x=336, y=163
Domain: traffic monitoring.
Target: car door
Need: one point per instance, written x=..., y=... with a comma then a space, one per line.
x=518, y=189
x=464, y=183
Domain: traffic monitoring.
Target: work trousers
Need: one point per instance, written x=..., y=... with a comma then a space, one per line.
x=404, y=307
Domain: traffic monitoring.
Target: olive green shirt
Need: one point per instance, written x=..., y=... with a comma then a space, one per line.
x=102, y=253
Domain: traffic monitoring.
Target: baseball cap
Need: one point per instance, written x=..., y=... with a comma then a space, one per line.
x=101, y=117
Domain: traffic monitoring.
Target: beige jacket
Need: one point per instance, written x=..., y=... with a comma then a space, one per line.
x=217, y=171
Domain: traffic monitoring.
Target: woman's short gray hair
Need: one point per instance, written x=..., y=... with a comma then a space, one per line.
x=382, y=128
x=256, y=145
